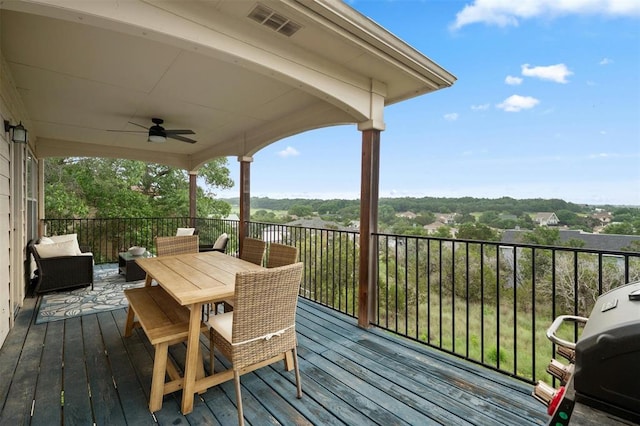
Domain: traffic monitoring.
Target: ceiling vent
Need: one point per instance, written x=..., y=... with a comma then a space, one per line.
x=267, y=17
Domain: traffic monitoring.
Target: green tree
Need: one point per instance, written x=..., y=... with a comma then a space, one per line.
x=442, y=232
x=568, y=217
x=466, y=218
x=386, y=214
x=300, y=210
x=624, y=228
x=490, y=217
x=104, y=187
x=542, y=236
x=425, y=218
x=264, y=216
x=477, y=231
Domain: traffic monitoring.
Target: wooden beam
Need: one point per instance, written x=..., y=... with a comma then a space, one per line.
x=193, y=186
x=245, y=197
x=368, y=225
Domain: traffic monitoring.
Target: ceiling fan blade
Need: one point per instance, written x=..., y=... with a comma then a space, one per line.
x=180, y=138
x=126, y=131
x=179, y=132
x=139, y=125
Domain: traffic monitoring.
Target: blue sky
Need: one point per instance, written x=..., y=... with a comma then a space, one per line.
x=546, y=105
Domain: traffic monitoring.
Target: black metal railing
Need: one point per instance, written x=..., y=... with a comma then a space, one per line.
x=491, y=303
x=487, y=302
x=330, y=259
x=109, y=236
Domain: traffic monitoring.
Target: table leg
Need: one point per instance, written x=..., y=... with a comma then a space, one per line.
x=191, y=364
x=147, y=281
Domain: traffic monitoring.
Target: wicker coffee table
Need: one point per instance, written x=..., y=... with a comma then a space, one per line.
x=129, y=268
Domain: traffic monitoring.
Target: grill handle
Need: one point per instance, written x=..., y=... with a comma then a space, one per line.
x=551, y=331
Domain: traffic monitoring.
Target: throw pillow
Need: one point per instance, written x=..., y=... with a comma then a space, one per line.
x=185, y=231
x=65, y=238
x=65, y=248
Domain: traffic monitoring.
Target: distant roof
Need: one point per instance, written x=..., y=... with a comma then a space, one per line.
x=316, y=222
x=613, y=242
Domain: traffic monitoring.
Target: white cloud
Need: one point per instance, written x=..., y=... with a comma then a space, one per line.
x=453, y=116
x=557, y=73
x=509, y=13
x=605, y=61
x=482, y=107
x=289, y=152
x=516, y=103
x=513, y=81
x=603, y=155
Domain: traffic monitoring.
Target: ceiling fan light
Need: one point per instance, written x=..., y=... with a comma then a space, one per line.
x=157, y=138
x=157, y=134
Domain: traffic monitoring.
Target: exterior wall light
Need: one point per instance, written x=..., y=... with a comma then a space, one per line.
x=18, y=133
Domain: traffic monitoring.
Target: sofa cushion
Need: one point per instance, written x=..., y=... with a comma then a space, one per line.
x=65, y=248
x=65, y=238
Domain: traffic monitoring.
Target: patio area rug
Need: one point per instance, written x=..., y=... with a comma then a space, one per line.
x=107, y=295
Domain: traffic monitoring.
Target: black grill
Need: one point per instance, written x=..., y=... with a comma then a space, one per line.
x=606, y=375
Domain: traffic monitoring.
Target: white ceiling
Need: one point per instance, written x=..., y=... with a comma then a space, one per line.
x=83, y=68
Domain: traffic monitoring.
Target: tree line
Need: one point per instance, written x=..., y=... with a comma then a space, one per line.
x=475, y=218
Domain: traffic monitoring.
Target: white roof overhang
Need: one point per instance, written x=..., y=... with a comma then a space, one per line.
x=81, y=68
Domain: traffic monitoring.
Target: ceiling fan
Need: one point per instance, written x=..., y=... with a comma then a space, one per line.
x=159, y=134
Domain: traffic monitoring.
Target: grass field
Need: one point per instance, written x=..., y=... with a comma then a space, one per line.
x=519, y=345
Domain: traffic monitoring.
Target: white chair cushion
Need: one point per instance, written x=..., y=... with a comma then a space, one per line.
x=45, y=240
x=65, y=238
x=65, y=248
x=185, y=231
x=220, y=242
x=223, y=324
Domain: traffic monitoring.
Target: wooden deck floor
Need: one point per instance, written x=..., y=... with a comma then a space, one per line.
x=81, y=371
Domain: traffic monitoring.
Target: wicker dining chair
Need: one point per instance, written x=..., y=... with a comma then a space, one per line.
x=261, y=329
x=281, y=254
x=167, y=246
x=253, y=250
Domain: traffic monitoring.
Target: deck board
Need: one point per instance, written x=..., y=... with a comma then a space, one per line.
x=46, y=410
x=134, y=407
x=349, y=375
x=77, y=403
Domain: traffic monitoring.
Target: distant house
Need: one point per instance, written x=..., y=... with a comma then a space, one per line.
x=432, y=228
x=446, y=218
x=407, y=215
x=603, y=217
x=274, y=234
x=546, y=219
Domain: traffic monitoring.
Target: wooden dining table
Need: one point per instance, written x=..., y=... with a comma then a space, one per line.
x=194, y=280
